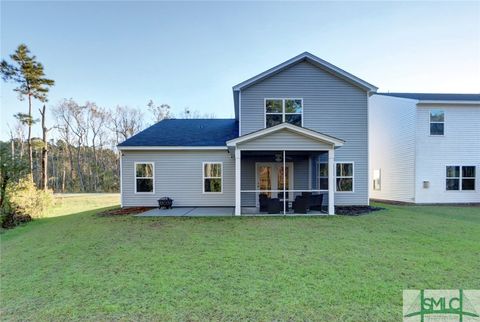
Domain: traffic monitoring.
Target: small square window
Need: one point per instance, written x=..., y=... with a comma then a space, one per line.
x=274, y=106
x=273, y=119
x=293, y=106
x=437, y=116
x=295, y=119
x=453, y=184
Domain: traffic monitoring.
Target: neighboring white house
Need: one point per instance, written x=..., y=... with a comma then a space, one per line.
x=425, y=148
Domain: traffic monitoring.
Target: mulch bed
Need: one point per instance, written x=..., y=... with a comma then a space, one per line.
x=123, y=211
x=355, y=210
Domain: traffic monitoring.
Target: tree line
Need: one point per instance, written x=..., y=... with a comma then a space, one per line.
x=81, y=157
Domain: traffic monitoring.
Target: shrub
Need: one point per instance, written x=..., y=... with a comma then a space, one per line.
x=23, y=198
x=10, y=219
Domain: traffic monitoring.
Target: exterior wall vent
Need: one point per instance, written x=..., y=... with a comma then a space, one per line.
x=426, y=184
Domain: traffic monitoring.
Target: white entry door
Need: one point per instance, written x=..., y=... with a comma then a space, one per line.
x=269, y=176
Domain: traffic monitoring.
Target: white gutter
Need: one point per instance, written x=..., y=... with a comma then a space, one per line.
x=166, y=148
x=449, y=102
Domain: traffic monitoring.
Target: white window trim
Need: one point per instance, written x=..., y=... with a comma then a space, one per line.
x=353, y=176
x=135, y=177
x=318, y=177
x=203, y=177
x=430, y=122
x=460, y=177
x=283, y=109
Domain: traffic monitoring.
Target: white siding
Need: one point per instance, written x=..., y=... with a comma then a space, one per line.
x=459, y=146
x=392, y=147
x=178, y=174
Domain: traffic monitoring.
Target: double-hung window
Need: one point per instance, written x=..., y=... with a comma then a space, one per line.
x=322, y=175
x=344, y=178
x=144, y=177
x=437, y=122
x=212, y=177
x=279, y=110
x=460, y=178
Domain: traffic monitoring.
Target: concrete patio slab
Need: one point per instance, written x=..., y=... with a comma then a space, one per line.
x=189, y=212
x=212, y=212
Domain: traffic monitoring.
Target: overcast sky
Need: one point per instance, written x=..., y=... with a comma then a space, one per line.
x=191, y=54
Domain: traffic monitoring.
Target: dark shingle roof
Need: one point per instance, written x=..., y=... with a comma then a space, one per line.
x=435, y=97
x=182, y=132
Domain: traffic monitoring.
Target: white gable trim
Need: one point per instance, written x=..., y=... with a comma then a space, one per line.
x=316, y=61
x=299, y=130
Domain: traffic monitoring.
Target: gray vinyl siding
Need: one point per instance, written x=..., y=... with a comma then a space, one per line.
x=284, y=139
x=178, y=174
x=330, y=105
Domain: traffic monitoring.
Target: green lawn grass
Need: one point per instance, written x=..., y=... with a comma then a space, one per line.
x=82, y=266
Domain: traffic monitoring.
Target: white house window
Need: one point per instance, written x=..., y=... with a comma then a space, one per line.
x=377, y=183
x=468, y=178
x=283, y=110
x=322, y=175
x=437, y=122
x=212, y=177
x=344, y=179
x=144, y=177
x=460, y=178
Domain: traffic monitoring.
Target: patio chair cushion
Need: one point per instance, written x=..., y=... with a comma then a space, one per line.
x=315, y=202
x=263, y=201
x=300, y=205
x=274, y=206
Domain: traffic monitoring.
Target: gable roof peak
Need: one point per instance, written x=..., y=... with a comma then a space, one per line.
x=316, y=61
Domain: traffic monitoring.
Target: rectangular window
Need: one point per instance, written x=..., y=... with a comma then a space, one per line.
x=212, y=177
x=279, y=110
x=322, y=175
x=377, y=183
x=344, y=178
x=437, y=122
x=460, y=178
x=144, y=177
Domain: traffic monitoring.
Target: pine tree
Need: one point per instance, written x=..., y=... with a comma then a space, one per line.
x=28, y=74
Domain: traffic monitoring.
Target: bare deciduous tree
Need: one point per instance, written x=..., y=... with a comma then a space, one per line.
x=126, y=122
x=159, y=112
x=187, y=113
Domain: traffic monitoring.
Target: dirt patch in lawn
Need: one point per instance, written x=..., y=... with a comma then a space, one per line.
x=123, y=211
x=355, y=210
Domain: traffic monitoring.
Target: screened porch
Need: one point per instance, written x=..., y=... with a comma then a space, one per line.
x=284, y=182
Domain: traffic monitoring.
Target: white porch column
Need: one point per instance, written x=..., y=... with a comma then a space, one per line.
x=331, y=182
x=238, y=206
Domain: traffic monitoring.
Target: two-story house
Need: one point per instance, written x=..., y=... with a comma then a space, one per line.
x=425, y=148
x=298, y=144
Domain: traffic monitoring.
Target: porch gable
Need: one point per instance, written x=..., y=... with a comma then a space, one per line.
x=285, y=137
